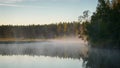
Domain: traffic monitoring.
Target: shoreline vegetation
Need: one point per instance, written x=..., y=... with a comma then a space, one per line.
x=20, y=40
x=13, y=40
x=36, y=32
x=103, y=30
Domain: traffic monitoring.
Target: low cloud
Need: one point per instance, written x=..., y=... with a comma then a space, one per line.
x=15, y=1
x=10, y=5
x=11, y=1
x=21, y=6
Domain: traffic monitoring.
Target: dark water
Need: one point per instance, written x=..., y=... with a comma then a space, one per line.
x=57, y=54
x=103, y=58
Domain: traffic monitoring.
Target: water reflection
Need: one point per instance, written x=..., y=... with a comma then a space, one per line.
x=62, y=54
x=103, y=58
x=25, y=61
x=92, y=57
x=71, y=49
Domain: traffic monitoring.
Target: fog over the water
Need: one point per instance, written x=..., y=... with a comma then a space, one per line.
x=74, y=48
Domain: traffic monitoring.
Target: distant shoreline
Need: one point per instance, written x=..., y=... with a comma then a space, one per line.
x=13, y=40
x=19, y=40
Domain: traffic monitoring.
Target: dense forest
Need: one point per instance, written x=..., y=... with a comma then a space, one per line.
x=103, y=35
x=47, y=31
x=103, y=30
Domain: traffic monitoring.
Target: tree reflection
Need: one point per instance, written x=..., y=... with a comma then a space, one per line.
x=103, y=58
x=61, y=50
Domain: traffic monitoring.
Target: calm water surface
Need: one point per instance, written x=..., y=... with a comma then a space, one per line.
x=46, y=54
x=38, y=62
x=57, y=54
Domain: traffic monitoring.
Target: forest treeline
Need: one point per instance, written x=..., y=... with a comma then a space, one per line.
x=47, y=31
x=103, y=30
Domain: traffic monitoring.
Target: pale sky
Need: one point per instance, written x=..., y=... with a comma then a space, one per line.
x=25, y=12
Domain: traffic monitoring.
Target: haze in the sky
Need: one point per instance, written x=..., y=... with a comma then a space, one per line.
x=24, y=12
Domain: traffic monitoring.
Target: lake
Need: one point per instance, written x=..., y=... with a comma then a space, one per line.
x=38, y=62
x=57, y=54
x=45, y=54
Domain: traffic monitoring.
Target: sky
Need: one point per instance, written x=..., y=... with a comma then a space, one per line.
x=25, y=12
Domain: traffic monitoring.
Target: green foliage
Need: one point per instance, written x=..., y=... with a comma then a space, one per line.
x=104, y=28
x=40, y=31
